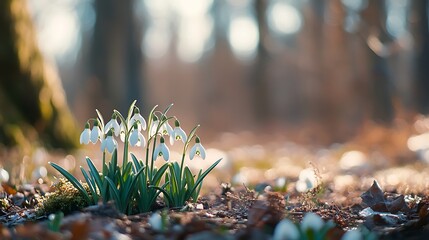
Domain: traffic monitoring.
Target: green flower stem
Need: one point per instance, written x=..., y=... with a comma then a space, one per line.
x=153, y=160
x=104, y=163
x=185, y=148
x=181, y=167
x=125, y=159
x=147, y=162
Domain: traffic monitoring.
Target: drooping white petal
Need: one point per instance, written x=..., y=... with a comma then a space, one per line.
x=153, y=127
x=161, y=150
x=193, y=151
x=352, y=235
x=179, y=134
x=138, y=118
x=155, y=221
x=113, y=124
x=123, y=132
x=202, y=151
x=311, y=221
x=142, y=140
x=199, y=150
x=286, y=229
x=136, y=138
x=85, y=136
x=165, y=152
x=109, y=144
x=166, y=129
x=95, y=134
x=103, y=144
x=4, y=175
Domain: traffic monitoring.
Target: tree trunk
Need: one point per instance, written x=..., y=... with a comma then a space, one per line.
x=115, y=53
x=32, y=100
x=259, y=80
x=421, y=34
x=382, y=89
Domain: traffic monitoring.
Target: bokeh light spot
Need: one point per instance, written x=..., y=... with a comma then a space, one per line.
x=284, y=18
x=243, y=37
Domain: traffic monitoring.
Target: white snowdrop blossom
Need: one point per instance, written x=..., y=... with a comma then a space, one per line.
x=197, y=149
x=178, y=133
x=352, y=235
x=113, y=123
x=109, y=143
x=123, y=132
x=155, y=221
x=306, y=181
x=85, y=135
x=166, y=129
x=161, y=150
x=4, y=175
x=95, y=133
x=154, y=125
x=311, y=221
x=286, y=230
x=136, y=138
x=139, y=119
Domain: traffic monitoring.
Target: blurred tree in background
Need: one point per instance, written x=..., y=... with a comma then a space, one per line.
x=115, y=59
x=235, y=65
x=32, y=100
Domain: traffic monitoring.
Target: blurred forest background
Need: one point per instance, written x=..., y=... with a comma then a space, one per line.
x=231, y=65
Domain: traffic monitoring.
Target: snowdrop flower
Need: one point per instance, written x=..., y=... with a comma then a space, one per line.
x=113, y=123
x=352, y=235
x=155, y=220
x=123, y=132
x=197, y=149
x=311, y=221
x=161, y=150
x=286, y=230
x=166, y=129
x=85, y=135
x=4, y=175
x=136, y=138
x=109, y=143
x=154, y=125
x=95, y=133
x=139, y=119
x=178, y=133
x=307, y=180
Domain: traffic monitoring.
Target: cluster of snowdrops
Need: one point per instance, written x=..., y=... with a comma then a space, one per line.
x=136, y=184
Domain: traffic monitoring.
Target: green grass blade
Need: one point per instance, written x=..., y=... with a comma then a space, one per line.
x=190, y=181
x=157, y=177
x=169, y=199
x=115, y=193
x=137, y=165
x=130, y=186
x=73, y=181
x=91, y=184
x=202, y=176
x=94, y=173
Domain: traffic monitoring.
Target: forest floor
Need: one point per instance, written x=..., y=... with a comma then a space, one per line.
x=378, y=181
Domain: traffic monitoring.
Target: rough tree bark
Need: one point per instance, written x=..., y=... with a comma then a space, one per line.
x=33, y=106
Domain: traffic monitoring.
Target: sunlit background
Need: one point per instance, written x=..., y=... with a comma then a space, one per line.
x=275, y=84
x=237, y=65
